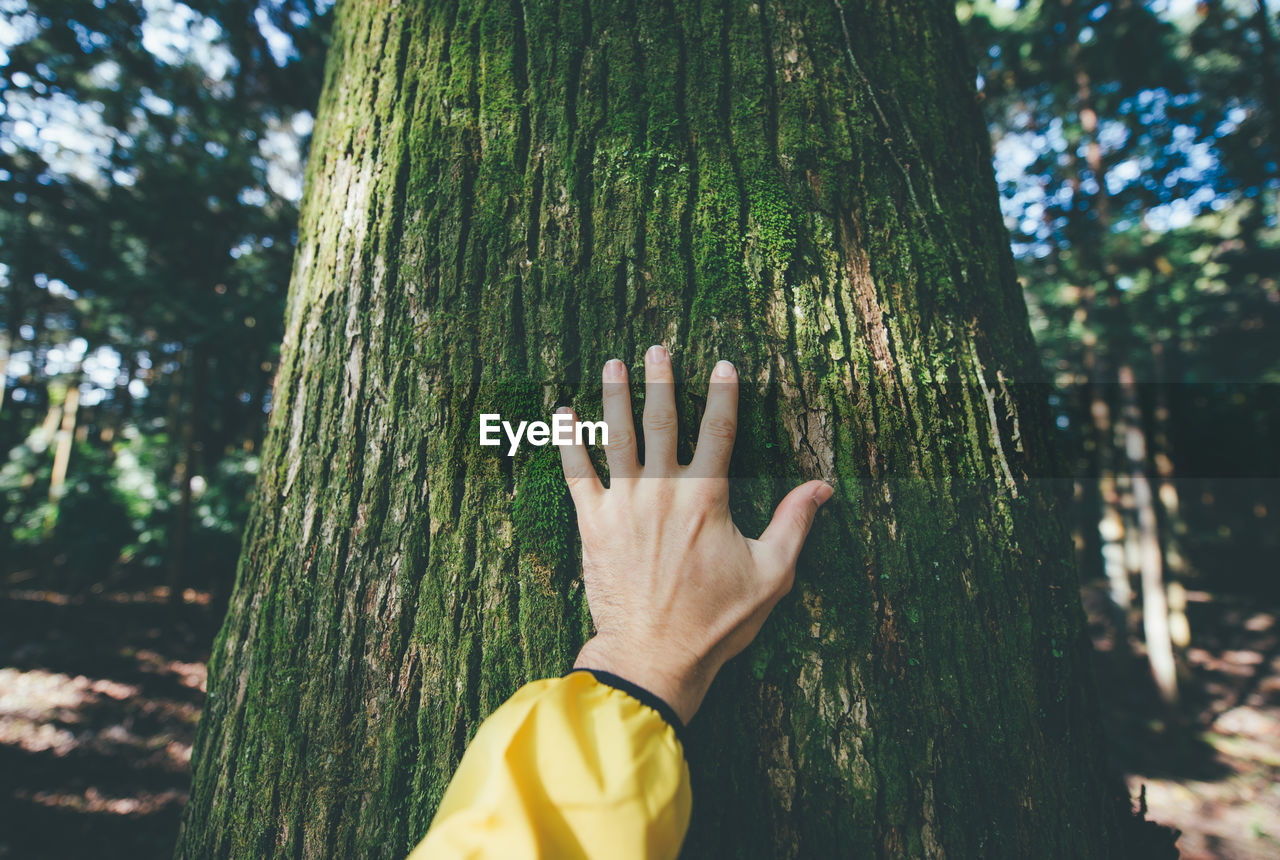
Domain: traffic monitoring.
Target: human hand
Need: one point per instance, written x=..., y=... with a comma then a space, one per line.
x=674, y=588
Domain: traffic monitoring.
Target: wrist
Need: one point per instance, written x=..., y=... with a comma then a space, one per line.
x=681, y=687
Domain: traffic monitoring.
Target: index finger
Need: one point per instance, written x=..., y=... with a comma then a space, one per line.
x=580, y=475
x=719, y=424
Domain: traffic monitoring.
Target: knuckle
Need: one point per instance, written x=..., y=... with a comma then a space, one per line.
x=659, y=419
x=575, y=479
x=709, y=489
x=719, y=427
x=653, y=491
x=693, y=517
x=620, y=438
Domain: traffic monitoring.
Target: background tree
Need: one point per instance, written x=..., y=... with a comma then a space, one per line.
x=145, y=242
x=1139, y=156
x=502, y=196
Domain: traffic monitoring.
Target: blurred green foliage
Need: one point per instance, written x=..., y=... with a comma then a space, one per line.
x=150, y=170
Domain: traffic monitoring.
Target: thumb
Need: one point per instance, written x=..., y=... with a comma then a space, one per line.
x=794, y=517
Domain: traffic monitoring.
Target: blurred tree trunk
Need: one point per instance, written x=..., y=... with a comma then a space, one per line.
x=1268, y=75
x=1110, y=520
x=186, y=412
x=13, y=301
x=1175, y=525
x=501, y=196
x=1128, y=522
x=49, y=427
x=1155, y=603
x=63, y=442
x=7, y=338
x=119, y=412
x=1093, y=315
x=1141, y=552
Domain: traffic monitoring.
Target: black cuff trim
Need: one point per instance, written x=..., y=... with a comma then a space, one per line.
x=641, y=695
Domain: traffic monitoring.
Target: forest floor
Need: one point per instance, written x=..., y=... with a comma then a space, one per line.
x=1212, y=768
x=99, y=698
x=100, y=693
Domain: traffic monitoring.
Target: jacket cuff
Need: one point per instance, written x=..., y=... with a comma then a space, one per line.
x=641, y=695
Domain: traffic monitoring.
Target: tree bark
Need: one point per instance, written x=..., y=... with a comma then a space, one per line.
x=501, y=196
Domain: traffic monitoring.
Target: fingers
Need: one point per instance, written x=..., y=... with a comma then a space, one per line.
x=620, y=450
x=659, y=413
x=719, y=424
x=579, y=473
x=793, y=519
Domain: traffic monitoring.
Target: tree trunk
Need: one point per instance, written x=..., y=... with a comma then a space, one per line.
x=1091, y=315
x=1155, y=603
x=503, y=195
x=186, y=410
x=65, y=439
x=1174, y=524
x=8, y=337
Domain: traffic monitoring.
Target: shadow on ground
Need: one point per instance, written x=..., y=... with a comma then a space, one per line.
x=1211, y=766
x=99, y=698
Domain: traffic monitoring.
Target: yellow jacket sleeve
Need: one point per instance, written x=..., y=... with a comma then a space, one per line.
x=567, y=768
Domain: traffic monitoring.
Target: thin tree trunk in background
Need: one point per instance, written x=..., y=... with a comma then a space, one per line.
x=181, y=527
x=66, y=435
x=503, y=195
x=49, y=427
x=1090, y=316
x=119, y=409
x=1129, y=516
x=62, y=450
x=14, y=306
x=1155, y=605
x=1175, y=526
x=123, y=395
x=1266, y=89
x=1269, y=81
x=1128, y=525
x=188, y=411
x=1111, y=522
x=6, y=340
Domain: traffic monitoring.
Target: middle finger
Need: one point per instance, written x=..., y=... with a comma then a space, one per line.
x=659, y=413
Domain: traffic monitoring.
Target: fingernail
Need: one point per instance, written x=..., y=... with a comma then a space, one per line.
x=724, y=369
x=823, y=493
x=655, y=353
x=614, y=370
